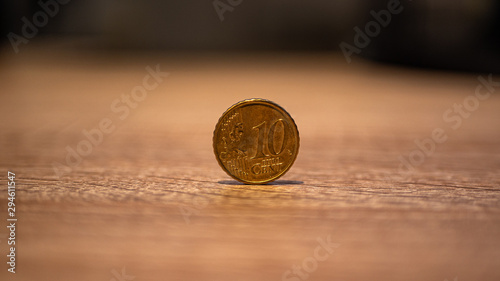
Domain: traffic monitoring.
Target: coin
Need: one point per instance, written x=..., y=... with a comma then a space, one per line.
x=256, y=141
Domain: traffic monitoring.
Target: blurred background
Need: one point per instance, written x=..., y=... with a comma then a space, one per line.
x=459, y=35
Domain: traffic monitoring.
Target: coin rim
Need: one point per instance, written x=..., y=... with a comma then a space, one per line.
x=263, y=101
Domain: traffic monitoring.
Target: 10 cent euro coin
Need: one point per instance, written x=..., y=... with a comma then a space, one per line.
x=256, y=141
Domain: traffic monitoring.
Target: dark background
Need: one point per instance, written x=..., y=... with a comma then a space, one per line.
x=445, y=34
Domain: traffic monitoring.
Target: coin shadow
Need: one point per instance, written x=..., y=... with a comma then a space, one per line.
x=276, y=182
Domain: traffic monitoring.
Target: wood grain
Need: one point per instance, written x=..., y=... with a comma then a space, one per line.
x=125, y=206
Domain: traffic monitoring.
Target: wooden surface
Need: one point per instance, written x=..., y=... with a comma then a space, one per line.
x=152, y=201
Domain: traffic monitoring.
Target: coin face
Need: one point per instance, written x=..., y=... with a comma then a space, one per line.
x=256, y=141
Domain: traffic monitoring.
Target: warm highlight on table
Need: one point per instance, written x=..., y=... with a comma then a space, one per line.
x=115, y=176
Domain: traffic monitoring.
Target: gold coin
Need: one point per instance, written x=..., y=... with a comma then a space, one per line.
x=256, y=141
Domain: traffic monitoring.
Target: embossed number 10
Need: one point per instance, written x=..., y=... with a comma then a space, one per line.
x=264, y=135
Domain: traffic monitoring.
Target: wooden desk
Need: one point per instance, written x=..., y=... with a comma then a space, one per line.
x=151, y=200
